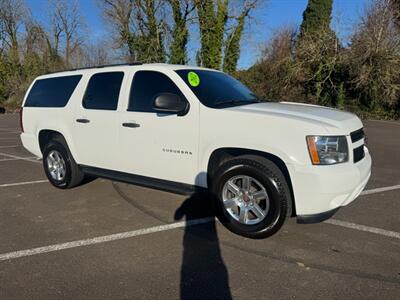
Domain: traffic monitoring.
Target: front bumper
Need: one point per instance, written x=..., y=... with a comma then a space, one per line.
x=319, y=191
x=316, y=218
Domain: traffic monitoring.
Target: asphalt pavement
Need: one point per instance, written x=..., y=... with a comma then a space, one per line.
x=110, y=240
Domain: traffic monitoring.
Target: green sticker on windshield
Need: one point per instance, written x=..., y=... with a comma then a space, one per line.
x=194, y=79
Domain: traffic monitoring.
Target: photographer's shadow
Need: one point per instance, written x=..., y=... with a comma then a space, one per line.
x=203, y=272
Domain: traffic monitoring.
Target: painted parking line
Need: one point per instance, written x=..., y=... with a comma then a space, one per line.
x=20, y=158
x=12, y=146
x=11, y=159
x=22, y=183
x=359, y=227
x=155, y=229
x=11, y=129
x=380, y=190
x=102, y=239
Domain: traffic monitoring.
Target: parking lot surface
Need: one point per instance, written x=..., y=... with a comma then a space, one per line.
x=110, y=240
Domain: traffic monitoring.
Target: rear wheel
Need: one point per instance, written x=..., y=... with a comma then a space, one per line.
x=253, y=197
x=60, y=167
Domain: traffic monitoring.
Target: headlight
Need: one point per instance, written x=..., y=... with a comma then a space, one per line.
x=328, y=150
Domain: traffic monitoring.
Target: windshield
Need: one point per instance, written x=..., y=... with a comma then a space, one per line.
x=217, y=89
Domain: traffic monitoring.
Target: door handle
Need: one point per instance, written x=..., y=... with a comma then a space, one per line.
x=82, y=121
x=131, y=125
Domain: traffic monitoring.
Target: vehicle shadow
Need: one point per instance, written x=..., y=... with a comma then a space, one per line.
x=203, y=272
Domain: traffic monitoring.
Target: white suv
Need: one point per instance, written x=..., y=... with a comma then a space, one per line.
x=182, y=129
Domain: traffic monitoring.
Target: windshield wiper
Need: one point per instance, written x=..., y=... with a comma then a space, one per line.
x=218, y=103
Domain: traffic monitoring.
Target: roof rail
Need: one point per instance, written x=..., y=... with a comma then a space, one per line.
x=97, y=67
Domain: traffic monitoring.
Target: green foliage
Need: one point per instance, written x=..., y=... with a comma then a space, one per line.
x=138, y=27
x=232, y=48
x=180, y=34
x=212, y=21
x=341, y=96
x=317, y=16
x=318, y=52
x=148, y=45
x=220, y=33
x=306, y=65
x=374, y=59
x=363, y=77
x=274, y=76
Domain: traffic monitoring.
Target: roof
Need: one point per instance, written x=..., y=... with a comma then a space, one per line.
x=123, y=67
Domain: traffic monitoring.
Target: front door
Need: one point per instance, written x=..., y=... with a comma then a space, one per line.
x=153, y=144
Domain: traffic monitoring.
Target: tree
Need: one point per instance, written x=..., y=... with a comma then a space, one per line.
x=213, y=20
x=396, y=10
x=119, y=13
x=12, y=14
x=273, y=76
x=36, y=52
x=317, y=16
x=318, y=54
x=138, y=28
x=374, y=58
x=67, y=23
x=181, y=9
x=149, y=42
x=319, y=64
x=232, y=44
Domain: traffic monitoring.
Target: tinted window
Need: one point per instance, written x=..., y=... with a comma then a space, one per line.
x=217, y=89
x=146, y=85
x=102, y=91
x=52, y=92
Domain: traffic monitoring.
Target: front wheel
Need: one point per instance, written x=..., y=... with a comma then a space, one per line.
x=253, y=198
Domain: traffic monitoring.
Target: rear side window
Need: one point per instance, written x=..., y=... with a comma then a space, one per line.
x=146, y=85
x=102, y=91
x=52, y=92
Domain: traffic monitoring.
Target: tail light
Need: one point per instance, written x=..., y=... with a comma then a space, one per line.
x=21, y=125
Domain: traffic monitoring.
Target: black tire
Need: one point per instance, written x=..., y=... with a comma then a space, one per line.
x=274, y=182
x=73, y=175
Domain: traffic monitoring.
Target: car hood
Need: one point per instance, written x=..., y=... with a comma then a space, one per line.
x=325, y=116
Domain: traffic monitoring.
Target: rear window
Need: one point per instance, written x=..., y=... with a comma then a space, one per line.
x=103, y=91
x=52, y=92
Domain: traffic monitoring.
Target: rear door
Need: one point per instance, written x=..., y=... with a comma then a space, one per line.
x=95, y=120
x=153, y=144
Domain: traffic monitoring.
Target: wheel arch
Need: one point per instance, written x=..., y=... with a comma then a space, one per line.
x=45, y=135
x=221, y=155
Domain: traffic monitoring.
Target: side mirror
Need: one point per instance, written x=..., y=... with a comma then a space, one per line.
x=170, y=103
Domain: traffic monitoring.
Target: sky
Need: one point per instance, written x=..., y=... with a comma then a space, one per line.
x=271, y=15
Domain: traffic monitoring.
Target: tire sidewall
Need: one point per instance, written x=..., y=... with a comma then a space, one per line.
x=276, y=213
x=62, y=184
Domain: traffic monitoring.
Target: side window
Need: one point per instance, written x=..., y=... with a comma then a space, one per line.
x=146, y=85
x=102, y=91
x=52, y=92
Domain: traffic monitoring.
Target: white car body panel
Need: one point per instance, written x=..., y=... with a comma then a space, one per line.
x=149, y=149
x=279, y=129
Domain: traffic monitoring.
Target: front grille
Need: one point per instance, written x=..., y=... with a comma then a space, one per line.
x=358, y=153
x=357, y=135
